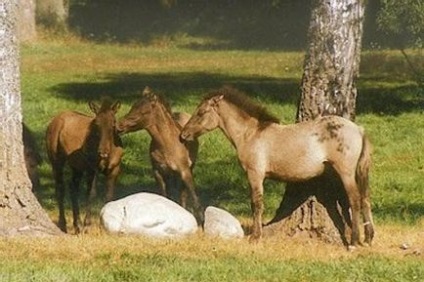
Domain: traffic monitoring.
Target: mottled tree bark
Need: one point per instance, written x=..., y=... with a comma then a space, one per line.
x=319, y=207
x=20, y=212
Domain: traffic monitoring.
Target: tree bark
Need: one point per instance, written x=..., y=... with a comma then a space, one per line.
x=20, y=212
x=319, y=207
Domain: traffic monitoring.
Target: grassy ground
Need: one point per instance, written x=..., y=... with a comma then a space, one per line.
x=65, y=74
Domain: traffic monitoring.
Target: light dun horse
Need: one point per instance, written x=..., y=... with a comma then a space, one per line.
x=288, y=152
x=172, y=161
x=89, y=145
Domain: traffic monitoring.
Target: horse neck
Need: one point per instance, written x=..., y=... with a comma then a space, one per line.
x=162, y=128
x=236, y=125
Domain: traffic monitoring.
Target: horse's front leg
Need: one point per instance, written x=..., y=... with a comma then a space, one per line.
x=257, y=204
x=91, y=195
x=161, y=182
x=187, y=178
x=111, y=182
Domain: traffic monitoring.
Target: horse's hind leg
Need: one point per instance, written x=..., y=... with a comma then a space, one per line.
x=60, y=194
x=74, y=191
x=368, y=224
x=354, y=198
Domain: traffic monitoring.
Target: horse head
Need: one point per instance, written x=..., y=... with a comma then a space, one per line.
x=143, y=112
x=103, y=129
x=204, y=119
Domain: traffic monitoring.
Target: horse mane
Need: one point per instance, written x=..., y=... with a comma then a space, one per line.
x=242, y=101
x=149, y=93
x=164, y=102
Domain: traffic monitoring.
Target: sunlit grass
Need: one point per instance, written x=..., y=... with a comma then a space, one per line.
x=102, y=257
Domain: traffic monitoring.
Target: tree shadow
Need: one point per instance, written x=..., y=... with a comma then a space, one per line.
x=181, y=87
x=390, y=100
x=177, y=87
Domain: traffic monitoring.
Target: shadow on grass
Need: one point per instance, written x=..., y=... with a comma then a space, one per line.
x=390, y=101
x=186, y=86
x=177, y=87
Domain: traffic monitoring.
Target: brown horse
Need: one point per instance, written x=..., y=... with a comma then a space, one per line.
x=32, y=157
x=172, y=161
x=290, y=153
x=89, y=145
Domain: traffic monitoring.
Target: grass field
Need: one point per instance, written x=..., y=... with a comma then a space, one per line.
x=67, y=73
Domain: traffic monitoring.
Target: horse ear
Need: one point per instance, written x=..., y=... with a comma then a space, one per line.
x=115, y=107
x=216, y=99
x=147, y=91
x=94, y=107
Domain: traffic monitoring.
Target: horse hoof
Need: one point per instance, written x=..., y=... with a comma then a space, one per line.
x=254, y=239
x=351, y=248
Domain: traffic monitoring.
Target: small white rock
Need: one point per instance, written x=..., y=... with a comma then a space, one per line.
x=220, y=223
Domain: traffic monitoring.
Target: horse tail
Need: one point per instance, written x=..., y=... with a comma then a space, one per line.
x=364, y=164
x=52, y=139
x=362, y=178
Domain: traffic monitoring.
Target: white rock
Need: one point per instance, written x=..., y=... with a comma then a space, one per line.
x=147, y=214
x=220, y=223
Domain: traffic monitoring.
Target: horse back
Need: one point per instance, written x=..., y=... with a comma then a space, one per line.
x=299, y=151
x=66, y=133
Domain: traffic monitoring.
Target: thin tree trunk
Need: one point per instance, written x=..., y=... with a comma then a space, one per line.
x=319, y=207
x=20, y=212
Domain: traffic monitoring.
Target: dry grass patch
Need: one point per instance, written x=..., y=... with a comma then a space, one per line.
x=391, y=241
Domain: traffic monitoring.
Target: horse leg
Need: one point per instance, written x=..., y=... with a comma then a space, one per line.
x=160, y=181
x=369, y=224
x=354, y=198
x=111, y=181
x=60, y=194
x=257, y=204
x=183, y=194
x=74, y=191
x=187, y=178
x=91, y=195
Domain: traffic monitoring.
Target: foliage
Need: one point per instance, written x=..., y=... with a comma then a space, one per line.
x=403, y=22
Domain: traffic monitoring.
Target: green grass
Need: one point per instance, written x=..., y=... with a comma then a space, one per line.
x=164, y=268
x=66, y=74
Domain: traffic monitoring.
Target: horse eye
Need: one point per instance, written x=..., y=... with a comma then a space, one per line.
x=201, y=112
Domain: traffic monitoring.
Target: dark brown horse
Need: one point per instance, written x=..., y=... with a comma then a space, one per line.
x=32, y=157
x=291, y=153
x=89, y=145
x=172, y=161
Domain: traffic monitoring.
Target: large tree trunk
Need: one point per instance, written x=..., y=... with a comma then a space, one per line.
x=319, y=208
x=20, y=212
